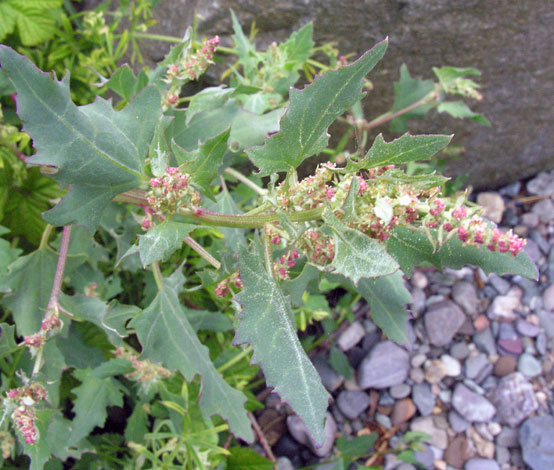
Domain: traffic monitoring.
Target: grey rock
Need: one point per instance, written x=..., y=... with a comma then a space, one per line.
x=478, y=367
x=383, y=420
x=470, y=405
x=541, y=242
x=548, y=298
x=503, y=306
x=510, y=190
x=508, y=437
x=351, y=336
x=540, y=343
x=501, y=285
x=533, y=251
x=529, y=366
x=457, y=423
x=527, y=329
x=541, y=184
x=502, y=455
x=439, y=437
x=530, y=288
x=406, y=466
x=481, y=464
x=550, y=266
x=386, y=399
x=484, y=340
x=352, y=403
x=426, y=457
x=386, y=365
x=465, y=295
x=418, y=301
x=442, y=321
x=544, y=209
x=400, y=391
x=330, y=379
x=493, y=204
x=510, y=217
x=546, y=319
x=507, y=331
x=300, y=433
x=536, y=437
x=459, y=350
x=530, y=220
x=514, y=399
x=423, y=398
x=283, y=463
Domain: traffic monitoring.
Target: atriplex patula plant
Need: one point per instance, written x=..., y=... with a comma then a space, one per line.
x=362, y=224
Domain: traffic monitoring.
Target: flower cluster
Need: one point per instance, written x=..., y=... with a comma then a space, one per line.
x=190, y=67
x=284, y=263
x=7, y=444
x=319, y=248
x=145, y=372
x=224, y=287
x=48, y=328
x=24, y=415
x=169, y=193
x=309, y=193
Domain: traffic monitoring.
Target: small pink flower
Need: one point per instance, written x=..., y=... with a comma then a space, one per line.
x=459, y=213
x=34, y=341
x=463, y=234
x=146, y=224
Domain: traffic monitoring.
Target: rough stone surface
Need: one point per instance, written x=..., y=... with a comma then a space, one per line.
x=439, y=437
x=465, y=295
x=442, y=321
x=457, y=452
x=423, y=398
x=503, y=306
x=548, y=298
x=299, y=431
x=504, y=366
x=330, y=379
x=386, y=365
x=352, y=403
x=514, y=63
x=481, y=464
x=493, y=204
x=351, y=336
x=403, y=410
x=536, y=437
x=514, y=399
x=471, y=406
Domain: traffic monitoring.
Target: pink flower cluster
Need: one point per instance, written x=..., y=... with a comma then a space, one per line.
x=7, y=444
x=319, y=248
x=24, y=415
x=169, y=193
x=147, y=373
x=309, y=193
x=233, y=282
x=50, y=325
x=285, y=262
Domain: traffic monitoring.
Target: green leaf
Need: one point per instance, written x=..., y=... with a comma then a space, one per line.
x=245, y=49
x=208, y=321
x=298, y=47
x=407, y=91
x=39, y=452
x=267, y=323
x=35, y=26
x=7, y=256
x=339, y=362
x=162, y=240
x=137, y=425
x=425, y=181
x=159, y=149
x=405, y=149
x=356, y=255
x=411, y=248
x=460, y=110
x=93, y=396
x=312, y=110
x=448, y=75
x=251, y=129
x=8, y=15
x=297, y=286
x=167, y=337
x=356, y=447
x=244, y=458
x=386, y=297
x=203, y=164
x=27, y=284
x=207, y=100
x=125, y=83
x=98, y=152
x=7, y=339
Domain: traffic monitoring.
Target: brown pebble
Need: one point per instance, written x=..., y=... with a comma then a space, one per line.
x=481, y=323
x=403, y=410
x=458, y=452
x=505, y=365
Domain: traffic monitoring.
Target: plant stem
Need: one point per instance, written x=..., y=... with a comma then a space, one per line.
x=390, y=116
x=261, y=437
x=243, y=179
x=60, y=268
x=45, y=236
x=202, y=252
x=245, y=352
x=157, y=275
x=158, y=37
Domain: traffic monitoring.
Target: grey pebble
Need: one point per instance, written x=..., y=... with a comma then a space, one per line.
x=330, y=379
x=351, y=336
x=283, y=463
x=527, y=329
x=542, y=243
x=383, y=420
x=501, y=285
x=352, y=403
x=529, y=366
x=386, y=365
x=536, y=437
x=300, y=433
x=457, y=423
x=541, y=184
x=478, y=368
x=423, y=398
x=459, y=350
x=484, y=341
x=508, y=437
x=540, y=343
x=544, y=209
x=471, y=406
x=465, y=295
x=548, y=298
x=442, y=321
x=546, y=319
x=514, y=399
x=426, y=457
x=400, y=391
x=510, y=190
x=481, y=464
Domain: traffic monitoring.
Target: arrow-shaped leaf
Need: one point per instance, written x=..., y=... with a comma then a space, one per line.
x=267, y=323
x=312, y=110
x=167, y=337
x=162, y=240
x=98, y=152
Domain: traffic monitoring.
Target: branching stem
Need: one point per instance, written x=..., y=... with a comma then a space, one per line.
x=243, y=179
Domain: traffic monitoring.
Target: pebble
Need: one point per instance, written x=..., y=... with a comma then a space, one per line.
x=423, y=398
x=434, y=371
x=484, y=447
x=330, y=379
x=403, y=411
x=529, y=366
x=459, y=350
x=418, y=360
x=300, y=433
x=502, y=456
x=533, y=251
x=419, y=280
x=351, y=336
x=478, y=367
x=493, y=204
x=457, y=423
x=501, y=285
x=465, y=295
x=541, y=184
x=383, y=420
x=484, y=340
x=418, y=302
x=400, y=391
x=458, y=452
x=439, y=437
x=508, y=437
x=505, y=365
x=546, y=320
x=481, y=323
x=284, y=463
x=514, y=399
x=503, y=306
x=527, y=329
x=451, y=365
x=426, y=457
x=386, y=365
x=481, y=464
x=442, y=321
x=471, y=406
x=548, y=298
x=536, y=437
x=544, y=209
x=530, y=219
x=352, y=403
x=510, y=190
x=511, y=346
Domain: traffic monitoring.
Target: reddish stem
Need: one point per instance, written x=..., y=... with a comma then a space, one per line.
x=60, y=268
